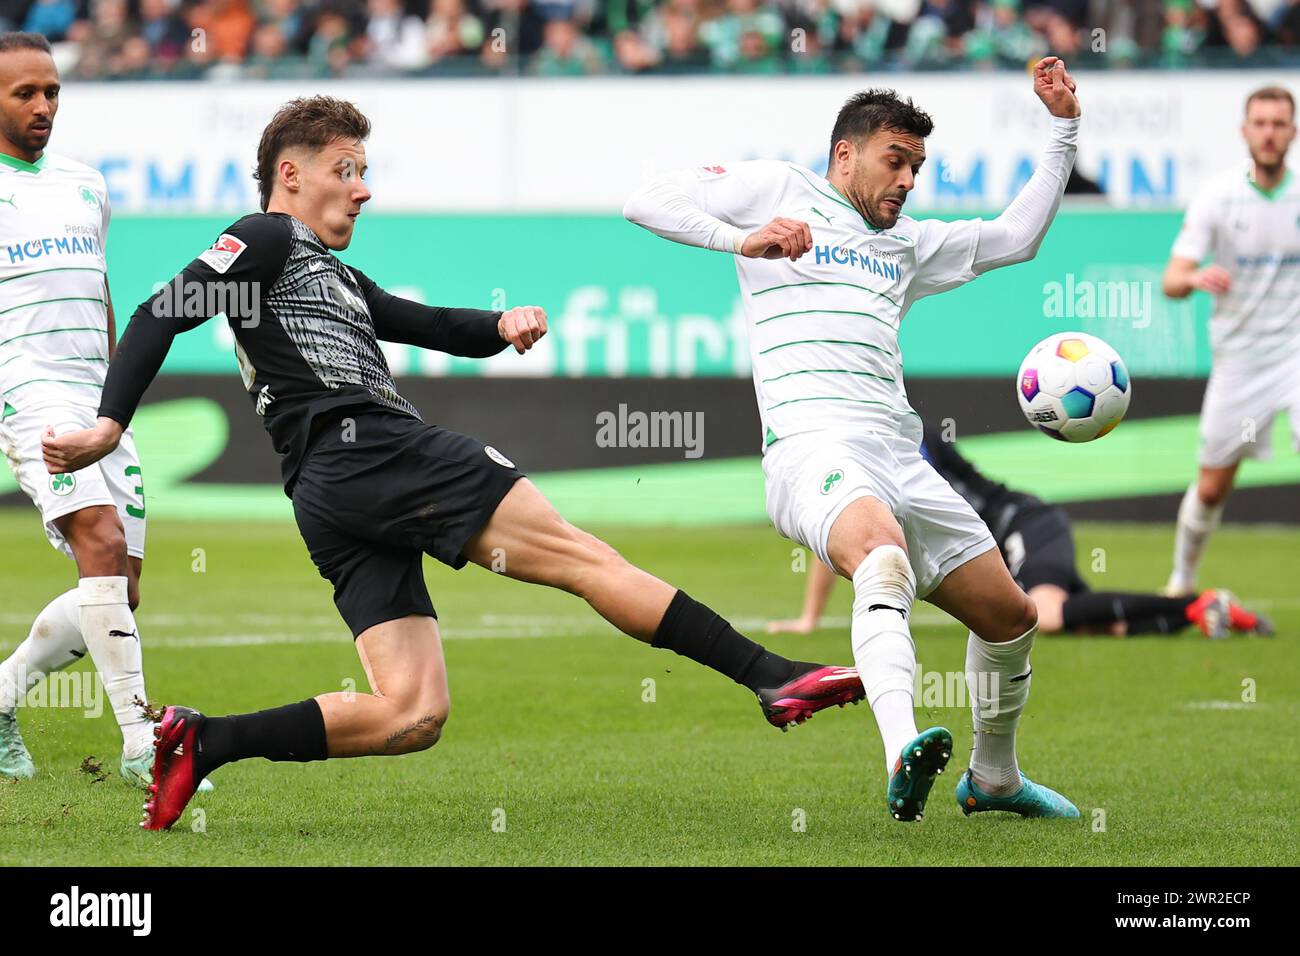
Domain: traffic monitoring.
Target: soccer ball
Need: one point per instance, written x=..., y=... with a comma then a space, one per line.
x=1074, y=387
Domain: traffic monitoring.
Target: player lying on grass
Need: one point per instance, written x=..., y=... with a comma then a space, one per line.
x=1035, y=540
x=374, y=488
x=828, y=268
x=56, y=340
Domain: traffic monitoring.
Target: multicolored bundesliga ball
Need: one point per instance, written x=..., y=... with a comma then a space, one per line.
x=1074, y=387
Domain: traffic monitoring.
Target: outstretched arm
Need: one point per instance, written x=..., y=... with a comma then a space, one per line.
x=470, y=333
x=723, y=208
x=1016, y=235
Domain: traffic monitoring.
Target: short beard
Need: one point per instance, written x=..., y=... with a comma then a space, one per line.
x=1270, y=168
x=25, y=141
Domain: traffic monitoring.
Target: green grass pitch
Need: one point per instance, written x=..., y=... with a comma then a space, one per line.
x=552, y=754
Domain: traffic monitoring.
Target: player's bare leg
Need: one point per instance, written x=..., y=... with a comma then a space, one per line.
x=527, y=539
x=1002, y=621
x=409, y=701
x=1198, y=517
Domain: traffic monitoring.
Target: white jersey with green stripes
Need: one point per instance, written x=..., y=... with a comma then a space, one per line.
x=824, y=329
x=1255, y=235
x=53, y=315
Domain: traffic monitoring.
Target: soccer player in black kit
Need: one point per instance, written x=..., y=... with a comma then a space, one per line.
x=374, y=488
x=1038, y=547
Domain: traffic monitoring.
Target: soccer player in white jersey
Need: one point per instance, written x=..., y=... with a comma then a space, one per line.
x=56, y=337
x=828, y=268
x=1246, y=222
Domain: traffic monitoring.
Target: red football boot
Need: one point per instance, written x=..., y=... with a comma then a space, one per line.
x=174, y=779
x=1217, y=614
x=804, y=694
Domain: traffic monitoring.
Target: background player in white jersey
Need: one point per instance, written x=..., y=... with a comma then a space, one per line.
x=55, y=343
x=828, y=268
x=1246, y=223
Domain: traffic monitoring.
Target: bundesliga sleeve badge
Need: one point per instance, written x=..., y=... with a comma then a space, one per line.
x=224, y=252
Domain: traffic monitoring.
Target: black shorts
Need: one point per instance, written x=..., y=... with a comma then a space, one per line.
x=1039, y=548
x=376, y=491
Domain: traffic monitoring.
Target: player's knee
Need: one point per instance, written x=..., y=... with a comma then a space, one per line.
x=883, y=550
x=100, y=548
x=419, y=725
x=1023, y=619
x=1213, y=491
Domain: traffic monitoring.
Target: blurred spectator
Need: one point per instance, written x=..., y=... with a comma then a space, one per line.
x=293, y=25
x=514, y=30
x=566, y=52
x=632, y=53
x=330, y=47
x=100, y=40
x=1060, y=22
x=227, y=27
x=452, y=31
x=675, y=31
x=50, y=17
x=394, y=38
x=163, y=31
x=725, y=35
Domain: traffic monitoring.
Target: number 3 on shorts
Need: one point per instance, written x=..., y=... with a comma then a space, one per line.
x=133, y=471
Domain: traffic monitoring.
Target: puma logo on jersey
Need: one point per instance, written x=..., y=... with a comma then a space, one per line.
x=114, y=633
x=264, y=399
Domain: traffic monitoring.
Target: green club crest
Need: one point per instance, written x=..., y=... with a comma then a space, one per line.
x=62, y=485
x=832, y=479
x=89, y=198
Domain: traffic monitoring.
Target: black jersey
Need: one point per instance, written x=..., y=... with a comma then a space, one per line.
x=306, y=326
x=995, y=503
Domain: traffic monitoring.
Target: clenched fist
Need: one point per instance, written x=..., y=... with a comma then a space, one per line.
x=522, y=326
x=780, y=239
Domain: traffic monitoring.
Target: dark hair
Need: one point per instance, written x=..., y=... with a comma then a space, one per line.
x=23, y=41
x=1271, y=93
x=311, y=121
x=870, y=110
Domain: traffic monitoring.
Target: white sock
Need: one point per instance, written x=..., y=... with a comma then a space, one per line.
x=997, y=700
x=113, y=640
x=53, y=643
x=1196, y=522
x=882, y=644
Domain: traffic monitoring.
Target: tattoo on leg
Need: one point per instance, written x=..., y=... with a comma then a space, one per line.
x=422, y=734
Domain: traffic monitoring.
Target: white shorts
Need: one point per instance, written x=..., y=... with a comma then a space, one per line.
x=114, y=481
x=813, y=477
x=1239, y=408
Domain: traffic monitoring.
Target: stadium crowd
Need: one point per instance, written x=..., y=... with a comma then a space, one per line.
x=140, y=39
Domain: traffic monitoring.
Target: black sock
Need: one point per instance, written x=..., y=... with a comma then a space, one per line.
x=1143, y=613
x=695, y=631
x=292, y=732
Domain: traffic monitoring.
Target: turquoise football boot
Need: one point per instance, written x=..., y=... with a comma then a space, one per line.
x=1031, y=800
x=139, y=773
x=15, y=761
x=919, y=763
